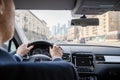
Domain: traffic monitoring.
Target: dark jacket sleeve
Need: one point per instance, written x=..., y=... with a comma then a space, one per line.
x=17, y=58
x=57, y=59
x=6, y=57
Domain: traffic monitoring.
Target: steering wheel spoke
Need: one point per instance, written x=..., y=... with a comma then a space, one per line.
x=40, y=52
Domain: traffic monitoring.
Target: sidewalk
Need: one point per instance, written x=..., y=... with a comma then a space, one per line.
x=108, y=43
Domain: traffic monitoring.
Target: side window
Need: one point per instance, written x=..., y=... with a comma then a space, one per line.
x=5, y=46
x=13, y=46
x=9, y=46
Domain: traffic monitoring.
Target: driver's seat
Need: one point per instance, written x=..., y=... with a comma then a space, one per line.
x=54, y=70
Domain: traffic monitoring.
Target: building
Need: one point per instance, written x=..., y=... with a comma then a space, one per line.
x=63, y=32
x=72, y=33
x=108, y=29
x=35, y=29
x=59, y=32
x=113, y=25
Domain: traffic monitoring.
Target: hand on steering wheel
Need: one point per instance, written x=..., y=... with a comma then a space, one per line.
x=56, y=52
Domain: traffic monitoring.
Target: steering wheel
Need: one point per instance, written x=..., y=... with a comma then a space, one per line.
x=36, y=54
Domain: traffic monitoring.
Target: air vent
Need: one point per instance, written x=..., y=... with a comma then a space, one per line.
x=66, y=57
x=100, y=59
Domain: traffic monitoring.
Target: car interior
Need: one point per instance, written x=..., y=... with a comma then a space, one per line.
x=83, y=62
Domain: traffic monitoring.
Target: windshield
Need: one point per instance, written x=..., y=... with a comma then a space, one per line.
x=55, y=26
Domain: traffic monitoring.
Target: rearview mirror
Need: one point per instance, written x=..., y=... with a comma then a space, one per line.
x=85, y=22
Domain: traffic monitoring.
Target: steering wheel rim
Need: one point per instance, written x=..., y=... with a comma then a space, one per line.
x=39, y=57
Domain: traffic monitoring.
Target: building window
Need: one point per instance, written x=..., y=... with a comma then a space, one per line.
x=25, y=18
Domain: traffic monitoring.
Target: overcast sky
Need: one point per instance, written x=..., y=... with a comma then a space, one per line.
x=53, y=17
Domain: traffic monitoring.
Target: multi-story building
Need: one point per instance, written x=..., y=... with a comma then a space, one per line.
x=59, y=32
x=113, y=25
x=35, y=29
x=108, y=29
x=72, y=33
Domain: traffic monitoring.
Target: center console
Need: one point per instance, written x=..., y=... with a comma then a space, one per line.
x=84, y=64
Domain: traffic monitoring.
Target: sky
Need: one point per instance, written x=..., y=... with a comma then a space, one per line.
x=53, y=17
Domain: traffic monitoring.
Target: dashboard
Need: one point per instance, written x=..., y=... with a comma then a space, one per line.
x=91, y=62
x=94, y=62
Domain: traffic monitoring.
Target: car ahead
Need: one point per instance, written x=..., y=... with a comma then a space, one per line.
x=97, y=59
x=82, y=40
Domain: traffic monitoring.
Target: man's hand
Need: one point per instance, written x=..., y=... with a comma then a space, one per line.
x=56, y=52
x=23, y=49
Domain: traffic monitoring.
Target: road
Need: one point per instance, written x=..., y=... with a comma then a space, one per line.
x=106, y=43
